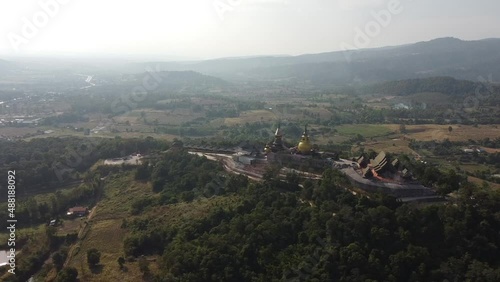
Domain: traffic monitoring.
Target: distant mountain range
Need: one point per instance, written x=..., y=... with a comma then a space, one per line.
x=179, y=79
x=445, y=85
x=452, y=57
x=443, y=57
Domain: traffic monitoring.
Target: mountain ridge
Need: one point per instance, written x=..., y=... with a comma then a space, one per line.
x=438, y=57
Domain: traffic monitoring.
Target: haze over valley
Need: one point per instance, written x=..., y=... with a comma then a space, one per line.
x=249, y=140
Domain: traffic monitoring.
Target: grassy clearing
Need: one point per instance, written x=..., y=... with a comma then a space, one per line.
x=70, y=226
x=180, y=213
x=491, y=150
x=119, y=192
x=11, y=132
x=428, y=132
x=322, y=112
x=396, y=146
x=106, y=235
x=44, y=196
x=366, y=130
x=162, y=117
x=474, y=167
x=252, y=117
x=425, y=97
x=480, y=182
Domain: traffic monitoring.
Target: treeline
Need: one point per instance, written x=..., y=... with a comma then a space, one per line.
x=454, y=150
x=324, y=233
x=65, y=118
x=42, y=163
x=30, y=212
x=446, y=85
x=36, y=249
x=178, y=174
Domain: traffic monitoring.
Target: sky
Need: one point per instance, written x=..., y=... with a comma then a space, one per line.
x=205, y=29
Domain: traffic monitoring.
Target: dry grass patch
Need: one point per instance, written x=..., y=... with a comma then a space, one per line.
x=396, y=146
x=107, y=237
x=429, y=132
x=251, y=117
x=162, y=117
x=480, y=182
x=179, y=213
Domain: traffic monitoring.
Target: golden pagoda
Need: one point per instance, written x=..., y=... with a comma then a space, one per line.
x=267, y=149
x=305, y=145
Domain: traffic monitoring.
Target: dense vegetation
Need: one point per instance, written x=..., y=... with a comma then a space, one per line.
x=48, y=162
x=324, y=233
x=279, y=231
x=446, y=85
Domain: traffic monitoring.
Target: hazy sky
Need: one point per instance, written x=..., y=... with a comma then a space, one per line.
x=197, y=29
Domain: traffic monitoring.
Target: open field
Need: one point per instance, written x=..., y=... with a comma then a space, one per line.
x=480, y=182
x=491, y=150
x=366, y=130
x=10, y=132
x=424, y=97
x=321, y=112
x=106, y=235
x=474, y=167
x=161, y=117
x=335, y=138
x=44, y=196
x=70, y=226
x=396, y=146
x=251, y=117
x=429, y=132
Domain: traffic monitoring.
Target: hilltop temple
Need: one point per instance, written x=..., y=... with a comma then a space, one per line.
x=303, y=154
x=277, y=144
x=304, y=147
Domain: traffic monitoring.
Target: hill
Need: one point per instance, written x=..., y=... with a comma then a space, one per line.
x=181, y=79
x=439, y=57
x=445, y=85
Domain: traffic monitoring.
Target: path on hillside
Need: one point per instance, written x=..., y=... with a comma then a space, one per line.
x=80, y=234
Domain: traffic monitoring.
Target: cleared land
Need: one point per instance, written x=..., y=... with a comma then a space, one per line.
x=106, y=235
x=251, y=117
x=429, y=132
x=366, y=130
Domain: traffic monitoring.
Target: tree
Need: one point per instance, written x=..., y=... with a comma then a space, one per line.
x=58, y=259
x=121, y=262
x=402, y=128
x=450, y=129
x=67, y=274
x=93, y=257
x=143, y=265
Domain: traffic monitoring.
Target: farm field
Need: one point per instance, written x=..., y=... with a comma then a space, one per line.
x=395, y=146
x=429, y=132
x=480, y=182
x=366, y=130
x=160, y=117
x=106, y=234
x=251, y=117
